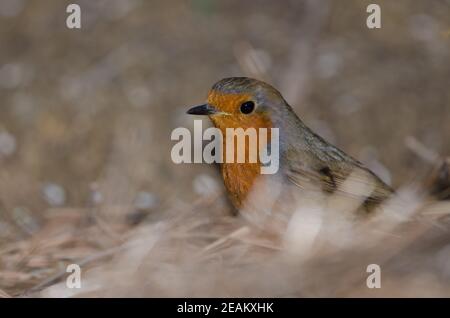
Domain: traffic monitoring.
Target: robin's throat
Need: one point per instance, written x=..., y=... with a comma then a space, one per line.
x=242, y=167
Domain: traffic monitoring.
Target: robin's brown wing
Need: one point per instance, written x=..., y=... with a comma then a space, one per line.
x=330, y=179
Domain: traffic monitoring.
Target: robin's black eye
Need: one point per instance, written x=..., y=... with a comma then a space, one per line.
x=247, y=107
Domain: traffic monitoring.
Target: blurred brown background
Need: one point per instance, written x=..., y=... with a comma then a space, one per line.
x=86, y=115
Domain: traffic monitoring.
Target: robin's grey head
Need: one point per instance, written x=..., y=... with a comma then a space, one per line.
x=242, y=97
x=242, y=102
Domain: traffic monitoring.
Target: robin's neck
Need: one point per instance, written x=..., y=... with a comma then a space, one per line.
x=239, y=177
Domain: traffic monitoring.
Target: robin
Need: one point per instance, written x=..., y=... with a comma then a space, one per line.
x=306, y=160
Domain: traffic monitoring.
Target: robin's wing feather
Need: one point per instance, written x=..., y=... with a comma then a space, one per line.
x=330, y=180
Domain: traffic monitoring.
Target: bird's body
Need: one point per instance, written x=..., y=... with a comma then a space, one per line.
x=306, y=161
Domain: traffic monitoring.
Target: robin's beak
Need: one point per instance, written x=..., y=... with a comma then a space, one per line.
x=205, y=109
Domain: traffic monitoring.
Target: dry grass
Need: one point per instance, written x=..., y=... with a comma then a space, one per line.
x=204, y=251
x=199, y=254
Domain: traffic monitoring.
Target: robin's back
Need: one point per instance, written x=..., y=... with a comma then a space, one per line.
x=308, y=161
